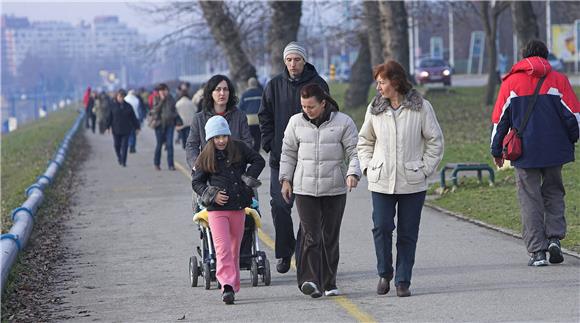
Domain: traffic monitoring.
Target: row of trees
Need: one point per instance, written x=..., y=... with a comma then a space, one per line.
x=380, y=28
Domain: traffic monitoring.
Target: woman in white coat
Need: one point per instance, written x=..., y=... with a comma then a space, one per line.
x=318, y=164
x=400, y=145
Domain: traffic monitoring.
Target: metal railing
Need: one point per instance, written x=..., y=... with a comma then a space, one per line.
x=15, y=240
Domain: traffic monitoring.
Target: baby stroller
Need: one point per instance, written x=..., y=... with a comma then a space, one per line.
x=251, y=257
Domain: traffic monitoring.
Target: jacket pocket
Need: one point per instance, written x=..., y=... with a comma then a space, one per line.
x=374, y=172
x=414, y=172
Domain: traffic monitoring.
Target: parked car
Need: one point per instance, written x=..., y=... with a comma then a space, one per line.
x=432, y=70
x=556, y=63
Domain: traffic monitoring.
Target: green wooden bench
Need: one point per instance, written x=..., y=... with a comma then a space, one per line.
x=458, y=167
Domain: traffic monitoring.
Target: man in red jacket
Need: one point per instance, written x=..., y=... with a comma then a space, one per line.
x=548, y=143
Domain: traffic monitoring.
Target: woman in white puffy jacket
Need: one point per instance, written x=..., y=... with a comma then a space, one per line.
x=318, y=165
x=400, y=145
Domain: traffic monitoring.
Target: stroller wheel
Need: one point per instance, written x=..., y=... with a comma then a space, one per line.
x=207, y=275
x=193, y=271
x=267, y=277
x=254, y=272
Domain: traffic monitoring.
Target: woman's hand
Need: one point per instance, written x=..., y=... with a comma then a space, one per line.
x=221, y=198
x=287, y=191
x=351, y=182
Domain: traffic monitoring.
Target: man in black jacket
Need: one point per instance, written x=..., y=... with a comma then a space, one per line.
x=122, y=121
x=281, y=100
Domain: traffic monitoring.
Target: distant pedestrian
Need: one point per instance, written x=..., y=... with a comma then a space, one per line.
x=325, y=139
x=165, y=116
x=224, y=181
x=250, y=104
x=400, y=145
x=186, y=110
x=133, y=100
x=102, y=110
x=548, y=143
x=198, y=98
x=219, y=98
x=122, y=121
x=280, y=101
x=90, y=115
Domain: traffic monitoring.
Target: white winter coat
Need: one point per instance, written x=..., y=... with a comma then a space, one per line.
x=317, y=160
x=398, y=151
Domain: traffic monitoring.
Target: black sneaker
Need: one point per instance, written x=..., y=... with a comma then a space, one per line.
x=228, y=296
x=310, y=288
x=555, y=251
x=538, y=259
x=283, y=265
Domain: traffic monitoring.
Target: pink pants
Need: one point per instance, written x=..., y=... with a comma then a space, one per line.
x=227, y=229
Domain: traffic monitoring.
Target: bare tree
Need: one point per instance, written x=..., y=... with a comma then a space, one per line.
x=361, y=75
x=489, y=19
x=285, y=23
x=373, y=25
x=224, y=31
x=525, y=22
x=394, y=28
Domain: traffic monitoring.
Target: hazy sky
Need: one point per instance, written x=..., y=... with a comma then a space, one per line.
x=75, y=11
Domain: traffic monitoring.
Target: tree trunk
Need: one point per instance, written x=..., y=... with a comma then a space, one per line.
x=489, y=20
x=395, y=32
x=284, y=29
x=361, y=75
x=224, y=31
x=373, y=26
x=525, y=22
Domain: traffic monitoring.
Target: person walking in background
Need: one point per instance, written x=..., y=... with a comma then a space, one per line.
x=400, y=145
x=122, y=121
x=250, y=104
x=280, y=101
x=548, y=143
x=86, y=101
x=102, y=110
x=166, y=115
x=91, y=118
x=219, y=98
x=186, y=110
x=132, y=99
x=224, y=181
x=198, y=98
x=317, y=142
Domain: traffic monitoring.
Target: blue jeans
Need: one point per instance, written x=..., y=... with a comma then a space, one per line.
x=282, y=216
x=164, y=135
x=120, y=145
x=408, y=208
x=133, y=140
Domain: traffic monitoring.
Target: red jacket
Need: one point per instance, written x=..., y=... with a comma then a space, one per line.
x=554, y=125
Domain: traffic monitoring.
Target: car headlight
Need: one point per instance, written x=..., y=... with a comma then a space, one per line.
x=424, y=74
x=446, y=72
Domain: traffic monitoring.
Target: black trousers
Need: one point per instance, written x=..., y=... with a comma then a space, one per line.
x=257, y=136
x=121, y=143
x=320, y=220
x=282, y=218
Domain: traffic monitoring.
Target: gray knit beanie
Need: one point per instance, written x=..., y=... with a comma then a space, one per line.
x=295, y=48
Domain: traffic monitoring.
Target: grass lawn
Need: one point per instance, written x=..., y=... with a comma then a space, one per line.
x=466, y=124
x=25, y=155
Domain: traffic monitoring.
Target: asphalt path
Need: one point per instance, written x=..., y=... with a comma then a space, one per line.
x=131, y=236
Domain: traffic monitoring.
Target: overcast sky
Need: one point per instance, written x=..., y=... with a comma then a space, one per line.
x=75, y=11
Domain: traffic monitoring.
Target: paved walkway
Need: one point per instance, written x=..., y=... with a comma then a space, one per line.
x=131, y=235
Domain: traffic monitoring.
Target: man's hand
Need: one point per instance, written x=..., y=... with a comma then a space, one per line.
x=498, y=161
x=351, y=182
x=287, y=191
x=221, y=198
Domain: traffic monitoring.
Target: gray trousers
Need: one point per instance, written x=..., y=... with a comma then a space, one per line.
x=541, y=195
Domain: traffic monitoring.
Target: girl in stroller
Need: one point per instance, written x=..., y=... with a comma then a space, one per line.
x=224, y=182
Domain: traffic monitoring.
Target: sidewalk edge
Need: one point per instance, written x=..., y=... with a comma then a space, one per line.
x=490, y=226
